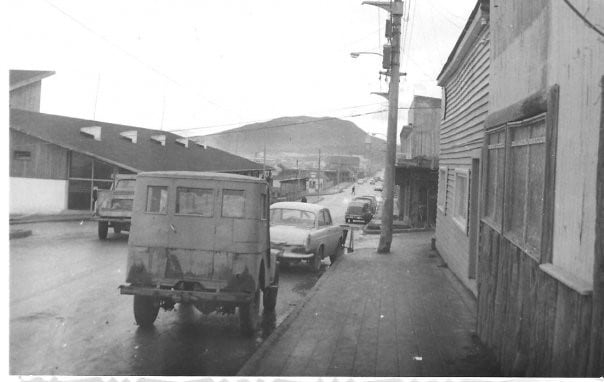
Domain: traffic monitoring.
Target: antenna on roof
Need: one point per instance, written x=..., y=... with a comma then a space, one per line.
x=96, y=97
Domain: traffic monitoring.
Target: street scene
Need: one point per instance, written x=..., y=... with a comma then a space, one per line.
x=319, y=189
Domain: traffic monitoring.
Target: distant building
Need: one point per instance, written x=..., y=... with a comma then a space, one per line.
x=25, y=87
x=56, y=161
x=417, y=163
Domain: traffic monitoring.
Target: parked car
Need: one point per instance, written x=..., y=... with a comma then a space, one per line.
x=114, y=206
x=372, y=201
x=305, y=232
x=201, y=238
x=378, y=187
x=358, y=210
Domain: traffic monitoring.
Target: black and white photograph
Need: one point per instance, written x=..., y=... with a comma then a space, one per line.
x=330, y=189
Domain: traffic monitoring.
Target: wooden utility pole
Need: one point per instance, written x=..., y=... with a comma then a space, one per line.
x=396, y=12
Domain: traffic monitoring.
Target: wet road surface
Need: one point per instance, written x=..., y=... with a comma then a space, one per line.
x=68, y=318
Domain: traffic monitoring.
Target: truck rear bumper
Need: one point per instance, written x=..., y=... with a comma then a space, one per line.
x=187, y=296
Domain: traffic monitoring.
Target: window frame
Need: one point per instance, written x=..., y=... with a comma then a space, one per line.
x=18, y=155
x=147, y=200
x=461, y=221
x=242, y=216
x=177, y=202
x=442, y=187
x=543, y=101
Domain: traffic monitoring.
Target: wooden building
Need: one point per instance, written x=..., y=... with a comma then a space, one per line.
x=541, y=269
x=417, y=163
x=465, y=101
x=25, y=88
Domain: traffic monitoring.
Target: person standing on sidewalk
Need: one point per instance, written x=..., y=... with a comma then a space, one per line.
x=352, y=190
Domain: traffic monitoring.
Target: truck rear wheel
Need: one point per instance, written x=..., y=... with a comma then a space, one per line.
x=103, y=228
x=145, y=310
x=249, y=315
x=269, y=297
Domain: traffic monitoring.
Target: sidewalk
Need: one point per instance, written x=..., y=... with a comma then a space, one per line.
x=372, y=315
x=66, y=215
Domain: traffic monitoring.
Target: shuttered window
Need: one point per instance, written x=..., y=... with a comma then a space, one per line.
x=515, y=178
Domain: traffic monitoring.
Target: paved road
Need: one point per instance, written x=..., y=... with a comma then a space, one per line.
x=67, y=316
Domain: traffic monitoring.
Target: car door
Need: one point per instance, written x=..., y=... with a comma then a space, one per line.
x=332, y=232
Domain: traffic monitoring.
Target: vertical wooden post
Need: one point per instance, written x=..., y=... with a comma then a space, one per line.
x=596, y=352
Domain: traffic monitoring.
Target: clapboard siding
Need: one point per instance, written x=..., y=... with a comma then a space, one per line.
x=47, y=161
x=461, y=135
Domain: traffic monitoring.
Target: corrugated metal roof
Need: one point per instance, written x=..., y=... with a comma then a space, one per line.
x=145, y=155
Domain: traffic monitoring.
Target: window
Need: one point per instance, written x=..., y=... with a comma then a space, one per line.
x=494, y=177
x=157, y=199
x=327, y=217
x=21, y=155
x=524, y=184
x=194, y=201
x=516, y=205
x=460, y=203
x=442, y=189
x=233, y=203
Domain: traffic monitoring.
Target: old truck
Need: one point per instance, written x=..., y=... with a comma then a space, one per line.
x=114, y=206
x=201, y=238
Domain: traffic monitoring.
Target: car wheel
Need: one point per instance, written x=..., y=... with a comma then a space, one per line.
x=316, y=260
x=269, y=298
x=145, y=310
x=103, y=228
x=248, y=315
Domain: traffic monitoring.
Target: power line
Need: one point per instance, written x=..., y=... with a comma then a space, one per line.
x=585, y=20
x=131, y=55
x=305, y=122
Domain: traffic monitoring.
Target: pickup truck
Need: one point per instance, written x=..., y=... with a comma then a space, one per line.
x=306, y=232
x=114, y=206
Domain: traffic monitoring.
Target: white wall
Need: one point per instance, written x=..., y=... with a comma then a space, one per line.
x=40, y=196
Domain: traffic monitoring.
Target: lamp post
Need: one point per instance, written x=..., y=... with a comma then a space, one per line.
x=396, y=11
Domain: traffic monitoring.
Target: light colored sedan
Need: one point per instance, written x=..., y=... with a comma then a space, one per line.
x=305, y=232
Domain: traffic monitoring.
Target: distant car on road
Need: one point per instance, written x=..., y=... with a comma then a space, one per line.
x=371, y=199
x=378, y=187
x=358, y=210
x=305, y=232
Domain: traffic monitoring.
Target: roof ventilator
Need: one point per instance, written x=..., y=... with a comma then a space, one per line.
x=159, y=138
x=130, y=135
x=92, y=131
x=182, y=141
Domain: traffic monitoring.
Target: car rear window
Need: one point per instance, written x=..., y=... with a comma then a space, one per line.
x=233, y=203
x=195, y=201
x=157, y=199
x=125, y=185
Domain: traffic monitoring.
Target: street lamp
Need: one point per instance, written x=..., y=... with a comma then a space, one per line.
x=357, y=54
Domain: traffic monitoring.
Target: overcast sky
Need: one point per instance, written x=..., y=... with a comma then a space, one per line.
x=198, y=67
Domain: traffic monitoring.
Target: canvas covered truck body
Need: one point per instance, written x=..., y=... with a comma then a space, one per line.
x=201, y=238
x=114, y=206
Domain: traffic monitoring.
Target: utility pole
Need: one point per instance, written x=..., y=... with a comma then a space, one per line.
x=319, y=176
x=396, y=12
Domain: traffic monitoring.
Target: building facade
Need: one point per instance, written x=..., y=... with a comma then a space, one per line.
x=541, y=276
x=465, y=102
x=417, y=163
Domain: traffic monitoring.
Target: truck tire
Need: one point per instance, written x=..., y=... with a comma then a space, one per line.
x=103, y=228
x=269, y=298
x=145, y=310
x=249, y=315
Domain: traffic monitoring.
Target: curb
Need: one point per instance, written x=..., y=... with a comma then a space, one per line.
x=252, y=363
x=48, y=219
x=19, y=233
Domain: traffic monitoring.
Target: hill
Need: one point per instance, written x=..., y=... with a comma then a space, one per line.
x=289, y=139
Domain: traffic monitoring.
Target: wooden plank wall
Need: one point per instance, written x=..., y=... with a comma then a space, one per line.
x=535, y=325
x=47, y=161
x=461, y=134
x=26, y=97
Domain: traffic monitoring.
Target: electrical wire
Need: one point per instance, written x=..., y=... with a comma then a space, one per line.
x=303, y=122
x=585, y=20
